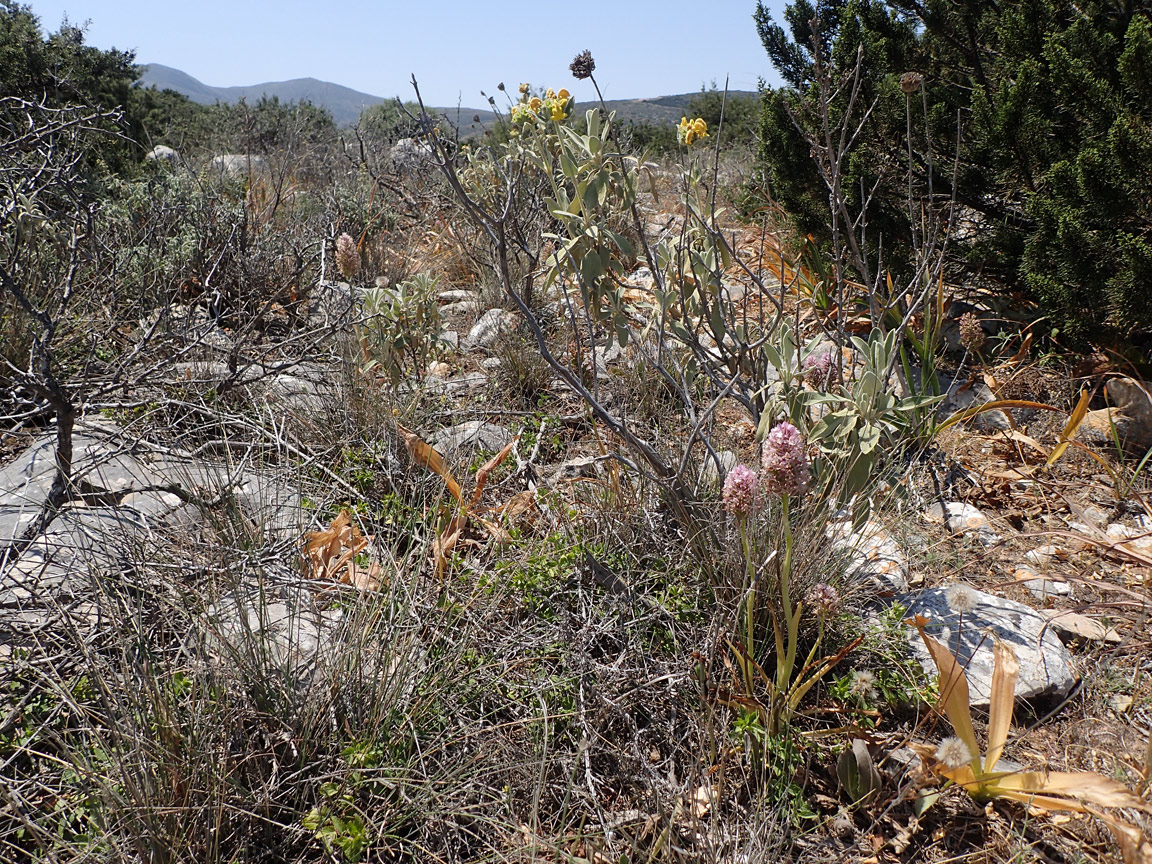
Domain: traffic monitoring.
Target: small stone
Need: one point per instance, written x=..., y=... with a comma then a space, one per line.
x=460, y=307
x=236, y=164
x=1041, y=587
x=1096, y=515
x=1042, y=555
x=1129, y=418
x=1134, y=538
x=163, y=154
x=962, y=518
x=1072, y=625
x=457, y=386
x=582, y=467
x=456, y=295
x=1121, y=703
x=489, y=327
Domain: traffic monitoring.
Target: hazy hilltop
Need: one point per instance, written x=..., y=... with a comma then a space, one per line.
x=346, y=103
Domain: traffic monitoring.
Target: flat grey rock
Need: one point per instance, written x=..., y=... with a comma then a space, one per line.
x=713, y=477
x=457, y=386
x=1046, y=667
x=263, y=627
x=96, y=458
x=474, y=434
x=14, y=519
x=80, y=541
x=149, y=487
x=266, y=504
x=236, y=164
x=961, y=395
x=410, y=155
x=308, y=389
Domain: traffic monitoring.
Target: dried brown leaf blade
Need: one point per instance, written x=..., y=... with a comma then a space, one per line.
x=1074, y=421
x=1085, y=786
x=331, y=553
x=954, y=698
x=1005, y=670
x=425, y=455
x=1135, y=848
x=486, y=469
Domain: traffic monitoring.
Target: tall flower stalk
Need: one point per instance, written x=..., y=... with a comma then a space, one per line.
x=785, y=475
x=739, y=496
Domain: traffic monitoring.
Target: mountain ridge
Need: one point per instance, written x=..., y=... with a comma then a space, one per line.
x=346, y=103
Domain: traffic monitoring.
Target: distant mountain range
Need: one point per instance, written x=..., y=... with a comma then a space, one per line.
x=346, y=103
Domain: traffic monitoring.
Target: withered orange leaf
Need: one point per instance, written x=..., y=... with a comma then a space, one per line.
x=425, y=455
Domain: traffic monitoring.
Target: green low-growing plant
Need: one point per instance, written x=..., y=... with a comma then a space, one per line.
x=543, y=573
x=402, y=333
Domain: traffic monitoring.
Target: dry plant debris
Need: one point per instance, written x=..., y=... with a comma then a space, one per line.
x=332, y=552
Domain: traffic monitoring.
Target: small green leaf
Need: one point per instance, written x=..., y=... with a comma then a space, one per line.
x=591, y=268
x=869, y=438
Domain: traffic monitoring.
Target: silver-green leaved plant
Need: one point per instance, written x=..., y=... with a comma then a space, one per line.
x=401, y=334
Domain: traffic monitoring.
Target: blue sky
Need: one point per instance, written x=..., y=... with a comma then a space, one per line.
x=643, y=48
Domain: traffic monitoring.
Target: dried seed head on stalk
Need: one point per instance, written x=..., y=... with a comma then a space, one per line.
x=863, y=684
x=910, y=82
x=953, y=752
x=583, y=66
x=961, y=599
x=971, y=333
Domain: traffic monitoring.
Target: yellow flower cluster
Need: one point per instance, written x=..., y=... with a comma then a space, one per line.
x=530, y=109
x=691, y=131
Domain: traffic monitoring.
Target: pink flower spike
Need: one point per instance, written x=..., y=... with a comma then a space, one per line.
x=347, y=256
x=740, y=490
x=823, y=598
x=785, y=461
x=820, y=370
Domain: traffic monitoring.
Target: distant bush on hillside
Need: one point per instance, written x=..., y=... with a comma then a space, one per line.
x=740, y=113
